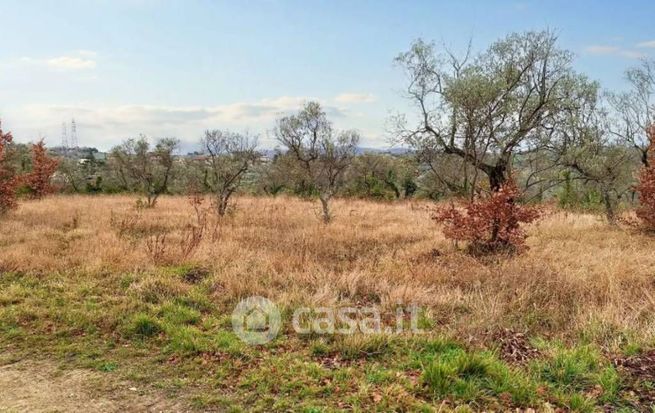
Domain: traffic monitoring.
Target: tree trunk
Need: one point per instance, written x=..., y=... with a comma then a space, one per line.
x=497, y=176
x=221, y=205
x=609, y=208
x=151, y=200
x=393, y=187
x=326, y=208
x=71, y=179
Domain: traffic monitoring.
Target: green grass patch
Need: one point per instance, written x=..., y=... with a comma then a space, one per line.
x=178, y=315
x=468, y=377
x=144, y=326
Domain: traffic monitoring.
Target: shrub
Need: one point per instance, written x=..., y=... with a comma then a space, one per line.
x=646, y=188
x=43, y=168
x=8, y=179
x=489, y=224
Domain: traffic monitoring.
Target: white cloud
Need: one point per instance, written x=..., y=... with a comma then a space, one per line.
x=632, y=54
x=137, y=115
x=80, y=60
x=263, y=110
x=71, y=63
x=105, y=126
x=607, y=50
x=601, y=50
x=355, y=98
x=647, y=44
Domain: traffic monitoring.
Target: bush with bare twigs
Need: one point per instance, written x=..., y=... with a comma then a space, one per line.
x=489, y=224
x=162, y=244
x=125, y=226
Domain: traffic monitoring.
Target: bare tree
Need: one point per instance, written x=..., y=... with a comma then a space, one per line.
x=323, y=153
x=635, y=109
x=230, y=156
x=144, y=170
x=489, y=109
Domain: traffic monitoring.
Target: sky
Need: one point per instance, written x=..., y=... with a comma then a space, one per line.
x=176, y=68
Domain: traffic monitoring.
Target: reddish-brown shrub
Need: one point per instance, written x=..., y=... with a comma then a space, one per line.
x=489, y=224
x=646, y=188
x=43, y=167
x=8, y=180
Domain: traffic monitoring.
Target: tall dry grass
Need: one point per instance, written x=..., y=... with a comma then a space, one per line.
x=580, y=277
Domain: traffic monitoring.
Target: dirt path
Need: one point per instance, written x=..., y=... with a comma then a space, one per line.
x=39, y=386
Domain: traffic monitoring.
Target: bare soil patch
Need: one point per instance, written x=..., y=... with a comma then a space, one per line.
x=41, y=386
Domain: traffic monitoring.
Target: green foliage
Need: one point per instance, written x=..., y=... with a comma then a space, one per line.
x=469, y=377
x=573, y=371
x=580, y=403
x=108, y=366
x=567, y=196
x=143, y=169
x=571, y=368
x=409, y=186
x=144, y=326
x=610, y=381
x=176, y=314
x=187, y=340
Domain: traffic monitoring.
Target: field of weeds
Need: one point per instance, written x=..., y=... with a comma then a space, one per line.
x=141, y=296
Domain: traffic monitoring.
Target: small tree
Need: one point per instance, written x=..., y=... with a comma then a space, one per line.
x=321, y=152
x=230, y=156
x=646, y=188
x=43, y=168
x=489, y=224
x=381, y=176
x=144, y=170
x=593, y=155
x=8, y=179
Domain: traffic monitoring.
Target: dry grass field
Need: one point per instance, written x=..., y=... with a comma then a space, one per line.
x=92, y=282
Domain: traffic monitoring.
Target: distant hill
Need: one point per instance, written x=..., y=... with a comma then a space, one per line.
x=392, y=151
x=270, y=153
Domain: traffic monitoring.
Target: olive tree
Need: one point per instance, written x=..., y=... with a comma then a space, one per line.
x=144, y=169
x=382, y=175
x=283, y=174
x=229, y=156
x=593, y=154
x=323, y=153
x=485, y=110
x=634, y=109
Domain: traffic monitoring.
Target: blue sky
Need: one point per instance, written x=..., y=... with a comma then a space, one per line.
x=176, y=68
